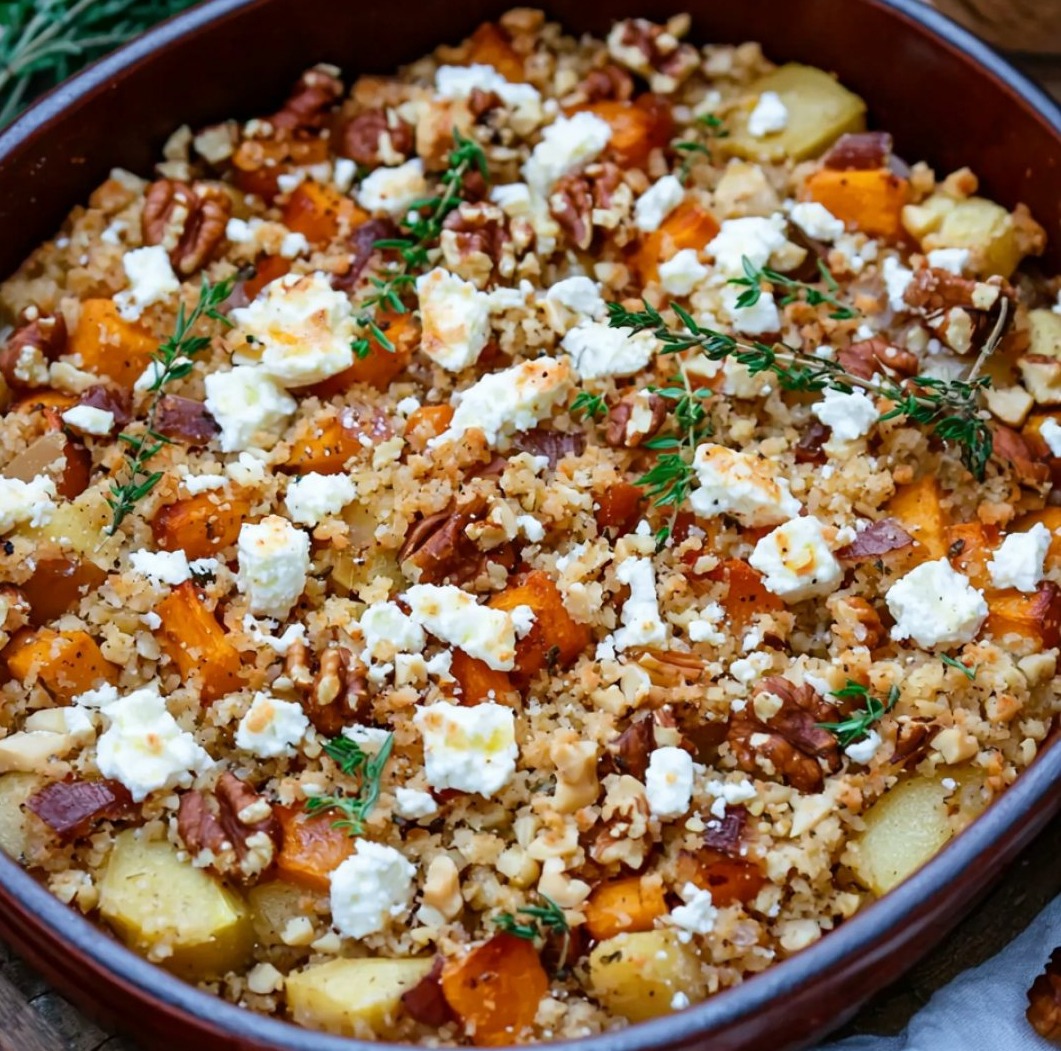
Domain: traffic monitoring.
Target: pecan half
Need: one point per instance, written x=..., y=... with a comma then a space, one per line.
x=634, y=420
x=870, y=356
x=962, y=311
x=236, y=826
x=576, y=197
x=306, y=108
x=611, y=82
x=629, y=753
x=110, y=399
x=71, y=808
x=553, y=445
x=859, y=151
x=363, y=248
x=373, y=138
x=187, y=220
x=653, y=52
x=184, y=420
x=1044, y=1000
x=28, y=350
x=880, y=538
x=789, y=742
x=911, y=742
x=439, y=549
x=474, y=241
x=1011, y=447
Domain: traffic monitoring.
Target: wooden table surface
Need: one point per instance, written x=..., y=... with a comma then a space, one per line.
x=34, y=1018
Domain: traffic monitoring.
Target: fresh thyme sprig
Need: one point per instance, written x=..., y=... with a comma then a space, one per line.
x=670, y=479
x=953, y=662
x=949, y=408
x=354, y=761
x=858, y=724
x=171, y=362
x=589, y=405
x=422, y=231
x=544, y=920
x=710, y=127
x=43, y=41
x=794, y=291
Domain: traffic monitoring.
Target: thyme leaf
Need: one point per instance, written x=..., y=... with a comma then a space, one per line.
x=589, y=405
x=953, y=662
x=353, y=761
x=858, y=725
x=793, y=291
x=705, y=128
x=543, y=920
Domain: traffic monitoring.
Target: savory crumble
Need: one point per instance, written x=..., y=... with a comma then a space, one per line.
x=524, y=544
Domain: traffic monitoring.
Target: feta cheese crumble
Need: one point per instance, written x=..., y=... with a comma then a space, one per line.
x=169, y=567
x=456, y=618
x=936, y=606
x=26, y=503
x=897, y=280
x=413, y=804
x=458, y=82
x=769, y=116
x=456, y=319
x=581, y=295
x=598, y=350
x=151, y=280
x=796, y=561
x=863, y=751
x=246, y=402
x=370, y=889
x=657, y=202
x=680, y=274
x=391, y=191
x=697, y=915
x=848, y=416
x=273, y=561
x=566, y=144
x=816, y=221
x=471, y=749
x=89, y=420
x=386, y=630
x=1050, y=432
x=312, y=497
x=640, y=614
x=953, y=260
x=755, y=320
x=1018, y=562
x=740, y=484
x=669, y=782
x=751, y=237
x=271, y=727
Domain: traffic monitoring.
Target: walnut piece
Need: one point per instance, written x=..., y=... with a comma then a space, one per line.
x=586, y=199
x=306, y=108
x=439, y=549
x=654, y=52
x=608, y=83
x=788, y=742
x=635, y=419
x=334, y=694
x=25, y=356
x=1044, y=1000
x=187, y=220
x=867, y=357
x=475, y=242
x=373, y=138
x=234, y=831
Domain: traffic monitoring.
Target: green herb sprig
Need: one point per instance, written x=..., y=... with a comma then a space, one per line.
x=953, y=662
x=858, y=725
x=171, y=362
x=354, y=761
x=591, y=406
x=794, y=291
x=422, y=231
x=543, y=920
x=43, y=41
x=709, y=127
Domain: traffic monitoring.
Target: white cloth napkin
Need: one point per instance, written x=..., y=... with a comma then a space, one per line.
x=983, y=1008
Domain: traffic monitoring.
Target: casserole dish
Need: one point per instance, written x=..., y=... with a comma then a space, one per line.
x=862, y=957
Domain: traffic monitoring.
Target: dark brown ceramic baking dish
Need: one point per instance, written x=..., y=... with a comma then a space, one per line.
x=943, y=95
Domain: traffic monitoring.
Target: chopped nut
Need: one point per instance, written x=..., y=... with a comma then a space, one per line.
x=375, y=137
x=870, y=356
x=576, y=772
x=437, y=549
x=307, y=106
x=442, y=888
x=188, y=221
x=475, y=242
x=653, y=52
x=636, y=418
x=1010, y=404
x=25, y=357
x=597, y=196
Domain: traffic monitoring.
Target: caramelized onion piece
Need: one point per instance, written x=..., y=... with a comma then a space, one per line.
x=70, y=808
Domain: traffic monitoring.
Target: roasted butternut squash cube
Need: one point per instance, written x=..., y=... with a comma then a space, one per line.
x=312, y=849
x=200, y=525
x=379, y=366
x=266, y=269
x=688, y=226
x=320, y=212
x=869, y=201
x=628, y=904
x=66, y=663
x=1035, y=617
x=619, y=506
x=555, y=638
x=919, y=510
x=489, y=46
x=746, y=595
x=322, y=447
x=729, y=879
x=350, y=996
x=971, y=545
x=425, y=423
x=495, y=989
x=110, y=346
x=638, y=127
x=57, y=585
x=478, y=682
x=196, y=643
x=820, y=110
x=168, y=910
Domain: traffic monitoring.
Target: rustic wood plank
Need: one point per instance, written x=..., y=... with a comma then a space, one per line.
x=21, y=1027
x=1016, y=25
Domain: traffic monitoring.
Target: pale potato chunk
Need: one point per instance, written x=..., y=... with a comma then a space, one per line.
x=986, y=229
x=15, y=789
x=156, y=902
x=820, y=110
x=636, y=975
x=1044, y=333
x=1042, y=377
x=905, y=828
x=81, y=527
x=273, y=906
x=348, y=996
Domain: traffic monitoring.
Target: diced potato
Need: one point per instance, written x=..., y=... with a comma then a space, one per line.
x=110, y=346
x=919, y=510
x=15, y=789
x=273, y=904
x=975, y=223
x=495, y=988
x=200, y=525
x=869, y=201
x=312, y=848
x=1042, y=377
x=905, y=828
x=346, y=996
x=172, y=912
x=820, y=110
x=66, y=663
x=636, y=975
x=81, y=527
x=629, y=904
x=1044, y=333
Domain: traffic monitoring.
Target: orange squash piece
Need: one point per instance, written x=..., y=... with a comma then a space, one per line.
x=312, y=848
x=619, y=506
x=629, y=904
x=746, y=595
x=320, y=212
x=970, y=546
x=729, y=879
x=1036, y=616
x=110, y=346
x=43, y=400
x=1051, y=518
x=489, y=46
x=555, y=638
x=425, y=423
x=638, y=127
x=67, y=663
x=266, y=269
x=200, y=525
x=688, y=226
x=871, y=201
x=495, y=989
x=322, y=447
x=477, y=680
x=196, y=643
x=379, y=367
x=919, y=510
x=58, y=584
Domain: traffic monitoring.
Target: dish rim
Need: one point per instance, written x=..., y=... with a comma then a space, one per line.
x=866, y=929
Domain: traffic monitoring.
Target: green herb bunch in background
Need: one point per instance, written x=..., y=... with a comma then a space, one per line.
x=43, y=41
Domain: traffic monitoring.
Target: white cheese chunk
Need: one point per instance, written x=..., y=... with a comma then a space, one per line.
x=513, y=198
x=471, y=749
x=370, y=889
x=740, y=484
x=456, y=319
x=897, y=280
x=392, y=191
x=312, y=497
x=1018, y=562
x=145, y=748
x=697, y=915
x=386, y=630
x=752, y=237
x=514, y=399
x=796, y=561
x=680, y=274
x=246, y=402
x=273, y=561
x=299, y=329
x=641, y=624
x=458, y=82
x=755, y=320
x=1050, y=431
x=89, y=420
x=953, y=260
x=271, y=727
x=454, y=616
x=669, y=782
x=567, y=144
x=934, y=605
x=413, y=804
x=848, y=416
x=162, y=567
x=769, y=116
x=26, y=503
x=863, y=751
x=151, y=280
x=816, y=221
x=598, y=350
x=579, y=294
x=657, y=202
